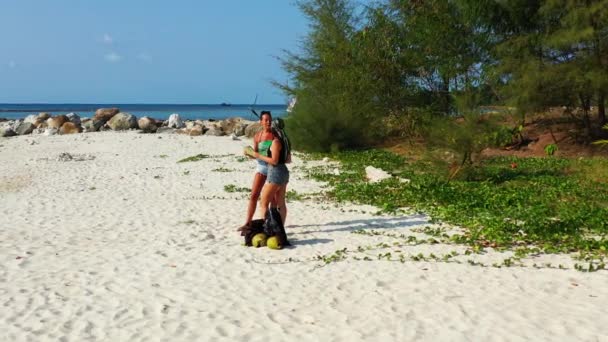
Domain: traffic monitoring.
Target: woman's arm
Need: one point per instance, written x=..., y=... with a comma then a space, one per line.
x=275, y=149
x=255, y=145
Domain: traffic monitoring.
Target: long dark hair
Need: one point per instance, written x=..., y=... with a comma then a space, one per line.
x=278, y=130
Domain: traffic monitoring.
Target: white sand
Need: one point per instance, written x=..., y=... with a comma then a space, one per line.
x=133, y=246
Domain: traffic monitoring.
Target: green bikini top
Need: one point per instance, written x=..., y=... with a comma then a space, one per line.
x=263, y=147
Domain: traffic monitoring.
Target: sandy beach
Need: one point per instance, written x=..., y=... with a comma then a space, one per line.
x=106, y=237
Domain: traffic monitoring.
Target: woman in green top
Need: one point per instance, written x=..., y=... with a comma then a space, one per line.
x=261, y=144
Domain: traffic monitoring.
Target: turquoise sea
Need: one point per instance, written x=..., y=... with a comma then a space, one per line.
x=157, y=111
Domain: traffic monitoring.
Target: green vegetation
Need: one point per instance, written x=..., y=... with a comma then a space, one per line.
x=222, y=169
x=193, y=158
x=506, y=202
x=396, y=68
x=234, y=188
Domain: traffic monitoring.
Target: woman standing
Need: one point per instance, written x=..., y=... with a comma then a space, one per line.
x=278, y=174
x=261, y=145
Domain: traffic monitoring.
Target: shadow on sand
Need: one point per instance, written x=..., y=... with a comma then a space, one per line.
x=371, y=223
x=295, y=243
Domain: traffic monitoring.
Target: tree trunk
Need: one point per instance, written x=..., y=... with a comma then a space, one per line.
x=601, y=107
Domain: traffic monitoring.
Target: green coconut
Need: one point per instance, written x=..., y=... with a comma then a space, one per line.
x=273, y=243
x=259, y=240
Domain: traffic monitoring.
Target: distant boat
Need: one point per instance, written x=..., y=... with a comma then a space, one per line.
x=225, y=104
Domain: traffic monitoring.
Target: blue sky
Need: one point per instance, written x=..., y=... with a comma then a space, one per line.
x=145, y=51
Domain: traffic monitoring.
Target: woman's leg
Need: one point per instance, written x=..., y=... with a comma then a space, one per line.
x=256, y=188
x=268, y=193
x=281, y=203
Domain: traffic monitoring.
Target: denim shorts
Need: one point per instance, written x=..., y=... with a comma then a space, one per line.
x=278, y=174
x=262, y=167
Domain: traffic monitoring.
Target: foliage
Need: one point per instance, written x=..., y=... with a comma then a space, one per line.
x=234, y=188
x=603, y=141
x=193, y=158
x=550, y=149
x=541, y=202
x=467, y=136
x=395, y=67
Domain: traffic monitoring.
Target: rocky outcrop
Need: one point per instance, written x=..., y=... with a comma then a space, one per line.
x=147, y=124
x=122, y=121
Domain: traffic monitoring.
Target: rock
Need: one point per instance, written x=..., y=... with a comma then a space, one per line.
x=375, y=175
x=122, y=121
x=252, y=129
x=44, y=116
x=74, y=118
x=24, y=128
x=175, y=121
x=233, y=125
x=214, y=131
x=147, y=124
x=69, y=128
x=57, y=121
x=50, y=131
x=7, y=132
x=90, y=125
x=105, y=114
x=166, y=130
x=31, y=119
x=195, y=131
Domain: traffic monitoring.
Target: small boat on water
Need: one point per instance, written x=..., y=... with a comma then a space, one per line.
x=225, y=104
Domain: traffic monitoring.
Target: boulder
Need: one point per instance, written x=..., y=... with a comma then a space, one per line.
x=235, y=126
x=147, y=124
x=74, y=118
x=24, y=128
x=70, y=128
x=90, y=125
x=375, y=175
x=175, y=121
x=44, y=116
x=31, y=119
x=214, y=130
x=50, y=131
x=105, y=114
x=7, y=132
x=196, y=131
x=122, y=121
x=252, y=129
x=57, y=121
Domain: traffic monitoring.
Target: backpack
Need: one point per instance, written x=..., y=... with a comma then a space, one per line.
x=271, y=226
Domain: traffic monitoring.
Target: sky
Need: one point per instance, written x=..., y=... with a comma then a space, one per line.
x=146, y=51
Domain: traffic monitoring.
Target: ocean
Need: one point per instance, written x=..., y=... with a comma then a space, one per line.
x=157, y=111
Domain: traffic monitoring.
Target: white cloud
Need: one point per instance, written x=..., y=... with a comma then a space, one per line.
x=144, y=57
x=107, y=38
x=113, y=57
x=12, y=64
